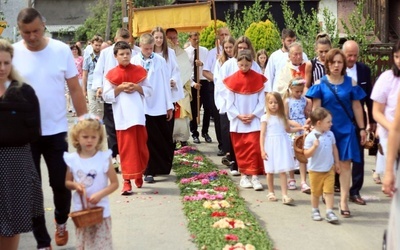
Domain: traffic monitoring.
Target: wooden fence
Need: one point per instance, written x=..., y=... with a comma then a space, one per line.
x=379, y=12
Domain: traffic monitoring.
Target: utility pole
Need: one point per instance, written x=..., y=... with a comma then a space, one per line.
x=109, y=17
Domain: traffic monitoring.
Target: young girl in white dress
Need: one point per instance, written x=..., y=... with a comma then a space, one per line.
x=276, y=147
x=296, y=109
x=90, y=171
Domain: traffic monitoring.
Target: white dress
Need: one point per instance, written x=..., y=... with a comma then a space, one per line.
x=277, y=146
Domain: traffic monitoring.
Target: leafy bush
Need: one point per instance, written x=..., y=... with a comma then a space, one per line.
x=264, y=35
x=208, y=36
x=239, y=22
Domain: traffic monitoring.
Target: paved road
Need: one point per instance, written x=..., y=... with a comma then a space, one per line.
x=152, y=218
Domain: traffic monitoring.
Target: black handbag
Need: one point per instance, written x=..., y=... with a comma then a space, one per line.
x=19, y=117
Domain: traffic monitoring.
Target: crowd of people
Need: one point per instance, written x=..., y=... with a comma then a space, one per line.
x=149, y=101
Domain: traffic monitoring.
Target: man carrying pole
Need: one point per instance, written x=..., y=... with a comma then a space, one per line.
x=197, y=55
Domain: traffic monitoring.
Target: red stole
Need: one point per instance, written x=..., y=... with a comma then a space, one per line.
x=130, y=73
x=245, y=83
x=300, y=72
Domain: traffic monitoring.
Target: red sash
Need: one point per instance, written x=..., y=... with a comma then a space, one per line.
x=130, y=73
x=245, y=83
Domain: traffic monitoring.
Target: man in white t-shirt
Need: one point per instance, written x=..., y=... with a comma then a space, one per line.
x=279, y=58
x=46, y=65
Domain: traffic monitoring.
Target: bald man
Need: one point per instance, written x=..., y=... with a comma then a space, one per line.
x=361, y=73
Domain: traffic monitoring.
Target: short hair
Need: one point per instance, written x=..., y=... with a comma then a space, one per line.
x=329, y=60
x=97, y=38
x=318, y=114
x=171, y=30
x=287, y=33
x=295, y=45
x=396, y=48
x=246, y=55
x=246, y=40
x=74, y=46
x=123, y=33
x=146, y=39
x=121, y=45
x=194, y=33
x=92, y=124
x=323, y=38
x=28, y=15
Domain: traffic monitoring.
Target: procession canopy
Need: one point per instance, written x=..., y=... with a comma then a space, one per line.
x=182, y=17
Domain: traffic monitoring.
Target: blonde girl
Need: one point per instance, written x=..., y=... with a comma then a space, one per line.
x=276, y=147
x=91, y=173
x=296, y=109
x=262, y=59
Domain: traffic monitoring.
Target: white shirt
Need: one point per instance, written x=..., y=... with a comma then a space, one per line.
x=46, y=71
x=160, y=101
x=128, y=108
x=322, y=159
x=105, y=62
x=220, y=91
x=352, y=72
x=212, y=56
x=203, y=52
x=276, y=62
x=173, y=73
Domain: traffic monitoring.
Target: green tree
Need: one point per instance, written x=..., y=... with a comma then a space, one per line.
x=238, y=22
x=208, y=36
x=306, y=25
x=96, y=22
x=264, y=35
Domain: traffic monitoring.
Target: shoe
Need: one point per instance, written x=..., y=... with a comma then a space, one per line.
x=357, y=199
x=344, y=213
x=126, y=188
x=221, y=152
x=61, y=234
x=296, y=171
x=292, y=184
x=139, y=182
x=316, y=216
x=336, y=189
x=305, y=188
x=271, y=197
x=376, y=178
x=286, y=200
x=245, y=182
x=256, y=184
x=331, y=218
x=225, y=161
x=149, y=179
x=235, y=173
x=207, y=138
x=196, y=139
x=184, y=143
x=45, y=248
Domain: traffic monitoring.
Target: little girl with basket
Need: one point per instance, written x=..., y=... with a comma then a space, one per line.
x=91, y=173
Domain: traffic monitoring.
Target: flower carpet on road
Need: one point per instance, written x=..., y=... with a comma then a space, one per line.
x=217, y=216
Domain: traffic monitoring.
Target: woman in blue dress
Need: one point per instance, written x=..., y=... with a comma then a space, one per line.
x=347, y=114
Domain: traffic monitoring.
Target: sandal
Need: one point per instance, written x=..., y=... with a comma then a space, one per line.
x=376, y=177
x=292, y=184
x=271, y=197
x=305, y=188
x=344, y=213
x=286, y=200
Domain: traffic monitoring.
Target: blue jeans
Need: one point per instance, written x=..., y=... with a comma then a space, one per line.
x=52, y=148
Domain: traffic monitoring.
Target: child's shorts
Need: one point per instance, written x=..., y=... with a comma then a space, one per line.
x=322, y=182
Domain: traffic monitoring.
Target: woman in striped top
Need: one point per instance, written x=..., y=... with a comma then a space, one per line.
x=315, y=67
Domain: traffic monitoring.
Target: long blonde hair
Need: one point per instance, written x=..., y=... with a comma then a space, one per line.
x=281, y=108
x=5, y=46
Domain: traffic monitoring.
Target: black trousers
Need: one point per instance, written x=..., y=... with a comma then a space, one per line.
x=215, y=114
x=52, y=148
x=108, y=120
x=206, y=103
x=227, y=146
x=357, y=174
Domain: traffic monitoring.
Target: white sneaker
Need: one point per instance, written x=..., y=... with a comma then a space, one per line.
x=245, y=182
x=235, y=173
x=256, y=183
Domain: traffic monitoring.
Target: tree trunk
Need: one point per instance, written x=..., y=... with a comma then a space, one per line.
x=109, y=18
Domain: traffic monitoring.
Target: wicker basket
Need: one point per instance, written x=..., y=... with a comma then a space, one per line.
x=88, y=216
x=298, y=146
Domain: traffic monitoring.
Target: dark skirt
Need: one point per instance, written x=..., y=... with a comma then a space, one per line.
x=21, y=196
